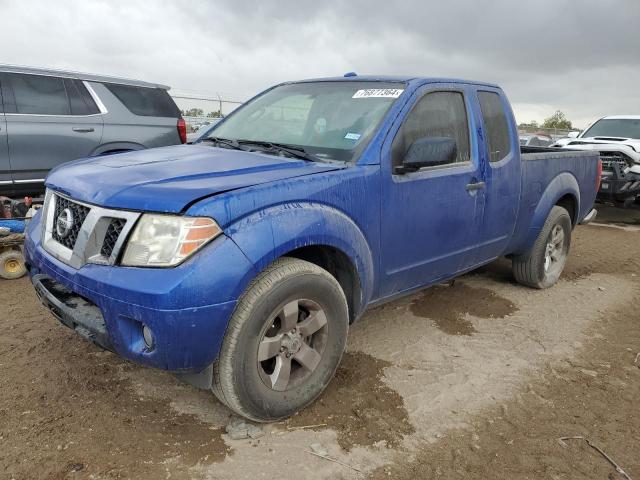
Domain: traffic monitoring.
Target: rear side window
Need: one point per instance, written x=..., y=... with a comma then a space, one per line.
x=79, y=98
x=437, y=114
x=495, y=125
x=39, y=94
x=147, y=102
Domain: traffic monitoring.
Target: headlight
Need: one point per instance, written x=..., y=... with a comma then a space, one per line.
x=166, y=240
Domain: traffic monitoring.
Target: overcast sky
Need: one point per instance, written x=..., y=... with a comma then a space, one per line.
x=579, y=56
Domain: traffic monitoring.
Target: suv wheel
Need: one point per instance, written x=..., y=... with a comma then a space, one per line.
x=283, y=343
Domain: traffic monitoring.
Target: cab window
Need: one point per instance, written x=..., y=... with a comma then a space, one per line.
x=437, y=114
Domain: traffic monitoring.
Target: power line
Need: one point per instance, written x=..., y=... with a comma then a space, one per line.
x=184, y=97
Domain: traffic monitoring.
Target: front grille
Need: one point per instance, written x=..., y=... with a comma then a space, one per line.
x=611, y=158
x=78, y=215
x=111, y=237
x=76, y=233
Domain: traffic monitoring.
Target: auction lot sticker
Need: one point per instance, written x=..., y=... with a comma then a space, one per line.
x=378, y=93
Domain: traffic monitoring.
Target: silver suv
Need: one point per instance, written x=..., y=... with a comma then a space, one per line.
x=48, y=117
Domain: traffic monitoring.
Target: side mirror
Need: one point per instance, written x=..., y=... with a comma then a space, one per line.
x=428, y=152
x=573, y=134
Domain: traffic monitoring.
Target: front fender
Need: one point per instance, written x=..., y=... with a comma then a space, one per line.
x=563, y=184
x=271, y=233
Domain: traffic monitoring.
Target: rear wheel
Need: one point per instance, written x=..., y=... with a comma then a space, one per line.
x=542, y=266
x=283, y=343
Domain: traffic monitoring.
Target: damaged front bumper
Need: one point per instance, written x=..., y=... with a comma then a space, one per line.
x=186, y=308
x=619, y=185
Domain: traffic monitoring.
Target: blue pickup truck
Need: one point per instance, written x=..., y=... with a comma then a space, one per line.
x=240, y=261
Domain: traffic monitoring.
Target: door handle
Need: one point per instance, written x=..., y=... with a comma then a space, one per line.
x=82, y=129
x=474, y=186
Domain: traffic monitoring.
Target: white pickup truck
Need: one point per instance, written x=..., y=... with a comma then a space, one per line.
x=617, y=138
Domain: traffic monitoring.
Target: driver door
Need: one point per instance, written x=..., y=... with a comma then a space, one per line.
x=431, y=218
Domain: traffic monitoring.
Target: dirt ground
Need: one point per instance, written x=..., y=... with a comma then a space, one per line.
x=476, y=380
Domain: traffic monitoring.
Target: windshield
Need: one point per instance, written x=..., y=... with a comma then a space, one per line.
x=614, y=127
x=329, y=120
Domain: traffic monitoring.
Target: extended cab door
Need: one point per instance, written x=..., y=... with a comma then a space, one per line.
x=50, y=120
x=431, y=218
x=501, y=151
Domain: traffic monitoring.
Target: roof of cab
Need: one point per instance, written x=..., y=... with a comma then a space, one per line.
x=391, y=79
x=90, y=77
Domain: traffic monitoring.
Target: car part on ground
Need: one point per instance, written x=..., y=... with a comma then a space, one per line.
x=12, y=262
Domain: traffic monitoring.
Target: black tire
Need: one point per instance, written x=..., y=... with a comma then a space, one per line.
x=537, y=268
x=246, y=385
x=12, y=265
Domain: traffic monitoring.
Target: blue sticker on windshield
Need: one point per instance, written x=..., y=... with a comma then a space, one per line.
x=352, y=136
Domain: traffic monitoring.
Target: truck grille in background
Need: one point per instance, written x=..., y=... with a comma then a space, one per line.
x=79, y=212
x=111, y=237
x=609, y=158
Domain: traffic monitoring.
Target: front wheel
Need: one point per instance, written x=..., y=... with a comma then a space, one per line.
x=542, y=266
x=283, y=343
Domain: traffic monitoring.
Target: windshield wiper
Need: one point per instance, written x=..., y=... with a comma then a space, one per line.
x=293, y=150
x=224, y=141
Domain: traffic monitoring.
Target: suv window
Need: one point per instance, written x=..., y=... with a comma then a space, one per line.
x=147, y=102
x=495, y=125
x=39, y=94
x=79, y=98
x=437, y=114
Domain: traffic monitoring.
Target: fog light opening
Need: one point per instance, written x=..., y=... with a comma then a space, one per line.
x=147, y=335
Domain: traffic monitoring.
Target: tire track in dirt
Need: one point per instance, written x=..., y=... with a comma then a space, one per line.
x=593, y=394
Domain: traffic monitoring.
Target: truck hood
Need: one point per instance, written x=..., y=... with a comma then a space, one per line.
x=168, y=179
x=628, y=146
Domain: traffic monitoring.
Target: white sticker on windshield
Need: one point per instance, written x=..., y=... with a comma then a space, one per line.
x=352, y=136
x=378, y=93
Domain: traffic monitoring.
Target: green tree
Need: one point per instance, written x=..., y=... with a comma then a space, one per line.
x=531, y=124
x=557, y=120
x=195, y=112
x=215, y=114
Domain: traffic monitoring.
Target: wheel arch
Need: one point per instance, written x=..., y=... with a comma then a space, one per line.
x=313, y=232
x=340, y=266
x=570, y=203
x=563, y=191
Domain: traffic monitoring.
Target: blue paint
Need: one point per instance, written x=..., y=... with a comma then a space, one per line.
x=401, y=232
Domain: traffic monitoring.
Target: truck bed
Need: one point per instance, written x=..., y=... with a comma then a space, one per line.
x=546, y=170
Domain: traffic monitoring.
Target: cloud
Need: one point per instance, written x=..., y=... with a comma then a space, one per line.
x=579, y=57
